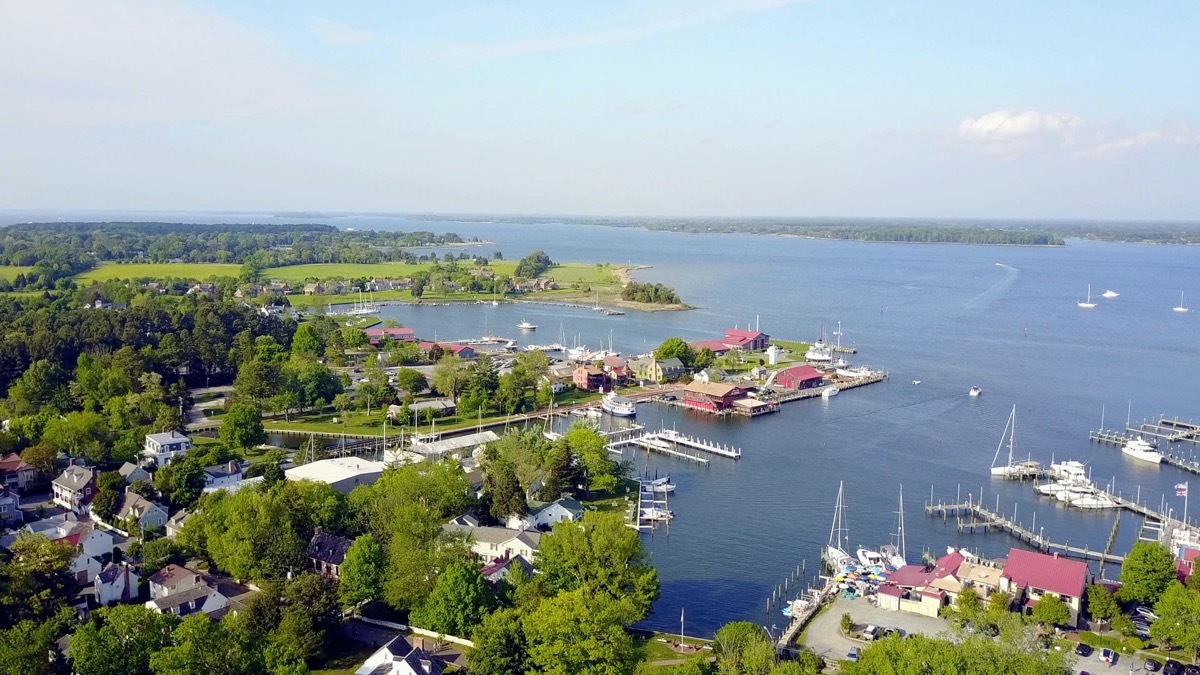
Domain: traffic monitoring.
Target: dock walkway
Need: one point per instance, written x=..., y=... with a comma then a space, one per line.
x=653, y=443
x=983, y=518
x=801, y=619
x=1169, y=430
x=672, y=436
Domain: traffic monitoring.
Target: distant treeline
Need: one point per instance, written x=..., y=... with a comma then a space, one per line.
x=75, y=244
x=655, y=294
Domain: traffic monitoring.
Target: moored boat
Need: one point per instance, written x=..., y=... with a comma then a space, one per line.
x=1140, y=448
x=830, y=391
x=525, y=325
x=975, y=392
x=618, y=406
x=855, y=373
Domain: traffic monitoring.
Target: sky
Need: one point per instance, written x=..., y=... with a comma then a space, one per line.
x=1021, y=109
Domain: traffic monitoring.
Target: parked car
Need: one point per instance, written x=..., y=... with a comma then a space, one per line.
x=1083, y=650
x=1108, y=656
x=1172, y=667
x=852, y=655
x=870, y=632
x=1146, y=613
x=1152, y=666
x=1191, y=670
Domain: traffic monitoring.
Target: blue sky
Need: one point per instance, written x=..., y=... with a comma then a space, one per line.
x=713, y=107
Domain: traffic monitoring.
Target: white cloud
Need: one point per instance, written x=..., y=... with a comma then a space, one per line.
x=1003, y=125
x=647, y=27
x=1173, y=136
x=66, y=64
x=338, y=34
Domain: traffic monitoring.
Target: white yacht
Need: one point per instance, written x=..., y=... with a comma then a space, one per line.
x=975, y=392
x=830, y=392
x=1012, y=468
x=1110, y=294
x=855, y=373
x=1094, y=501
x=894, y=554
x=1182, y=305
x=818, y=352
x=1087, y=304
x=1140, y=448
x=868, y=557
x=618, y=406
x=525, y=325
x=834, y=552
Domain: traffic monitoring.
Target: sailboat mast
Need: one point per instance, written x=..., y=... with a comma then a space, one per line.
x=900, y=530
x=1012, y=435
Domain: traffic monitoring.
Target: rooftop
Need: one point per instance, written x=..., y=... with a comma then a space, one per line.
x=335, y=470
x=74, y=477
x=1047, y=572
x=12, y=462
x=328, y=547
x=167, y=437
x=455, y=444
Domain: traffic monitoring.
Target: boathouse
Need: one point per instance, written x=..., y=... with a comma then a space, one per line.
x=718, y=347
x=712, y=396
x=800, y=377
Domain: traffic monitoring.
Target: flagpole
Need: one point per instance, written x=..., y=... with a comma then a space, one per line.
x=1185, y=496
x=681, y=626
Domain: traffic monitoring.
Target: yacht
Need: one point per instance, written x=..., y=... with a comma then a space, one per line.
x=830, y=392
x=525, y=325
x=1140, y=448
x=1182, y=305
x=618, y=406
x=868, y=557
x=656, y=513
x=1087, y=304
x=819, y=351
x=975, y=391
x=894, y=554
x=1110, y=294
x=854, y=373
x=915, y=382
x=1010, y=469
x=1094, y=501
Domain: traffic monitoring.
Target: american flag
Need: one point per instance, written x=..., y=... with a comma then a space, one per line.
x=1181, y=489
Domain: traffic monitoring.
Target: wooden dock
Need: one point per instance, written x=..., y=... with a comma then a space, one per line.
x=640, y=517
x=652, y=443
x=800, y=620
x=672, y=436
x=1168, y=430
x=1180, y=463
x=985, y=519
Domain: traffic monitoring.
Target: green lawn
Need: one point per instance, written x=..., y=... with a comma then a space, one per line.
x=10, y=272
x=391, y=270
x=110, y=271
x=348, y=656
x=650, y=649
x=566, y=273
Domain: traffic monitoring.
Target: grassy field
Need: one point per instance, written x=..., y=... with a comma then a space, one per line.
x=650, y=649
x=159, y=271
x=10, y=272
x=396, y=270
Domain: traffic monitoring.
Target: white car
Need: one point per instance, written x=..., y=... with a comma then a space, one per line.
x=1146, y=613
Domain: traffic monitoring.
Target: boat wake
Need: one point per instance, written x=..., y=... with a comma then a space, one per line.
x=996, y=290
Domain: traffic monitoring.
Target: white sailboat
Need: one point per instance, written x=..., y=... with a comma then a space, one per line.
x=835, y=551
x=894, y=554
x=1087, y=304
x=1010, y=432
x=1182, y=305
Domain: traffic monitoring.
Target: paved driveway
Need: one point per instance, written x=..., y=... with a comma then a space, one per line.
x=824, y=635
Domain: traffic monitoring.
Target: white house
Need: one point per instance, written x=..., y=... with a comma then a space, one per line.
x=84, y=568
x=201, y=598
x=165, y=447
x=172, y=579
x=544, y=515
x=175, y=523
x=116, y=583
x=223, y=476
x=490, y=543
x=400, y=657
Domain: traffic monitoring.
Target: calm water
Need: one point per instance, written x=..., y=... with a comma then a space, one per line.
x=949, y=316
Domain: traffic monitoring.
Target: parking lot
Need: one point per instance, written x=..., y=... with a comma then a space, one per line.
x=824, y=634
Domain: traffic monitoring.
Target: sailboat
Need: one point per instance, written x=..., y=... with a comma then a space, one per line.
x=834, y=552
x=894, y=554
x=1087, y=304
x=1011, y=469
x=1182, y=305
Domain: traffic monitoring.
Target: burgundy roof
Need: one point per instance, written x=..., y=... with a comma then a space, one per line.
x=802, y=373
x=13, y=462
x=948, y=564
x=1189, y=554
x=1182, y=571
x=390, y=332
x=894, y=591
x=911, y=576
x=747, y=334
x=1051, y=573
x=714, y=345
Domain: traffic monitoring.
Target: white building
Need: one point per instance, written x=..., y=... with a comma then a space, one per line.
x=545, y=515
x=223, y=476
x=490, y=543
x=400, y=657
x=342, y=473
x=116, y=583
x=165, y=447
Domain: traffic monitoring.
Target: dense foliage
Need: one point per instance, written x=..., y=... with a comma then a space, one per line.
x=653, y=294
x=533, y=265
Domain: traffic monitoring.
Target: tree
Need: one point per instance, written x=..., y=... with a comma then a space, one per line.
x=285, y=401
x=976, y=654
x=450, y=376
x=500, y=646
x=1147, y=571
x=312, y=615
x=201, y=646
x=704, y=358
x=119, y=640
x=999, y=602
x=23, y=647
x=601, y=556
x=575, y=632
x=104, y=504
x=598, y=470
x=242, y=427
x=675, y=348
x=411, y=380
x=307, y=343
x=501, y=486
x=739, y=648
x=363, y=570
x=342, y=403
x=41, y=457
x=1101, y=603
x=1178, y=618
x=257, y=380
x=459, y=602
x=968, y=602
x=1050, y=610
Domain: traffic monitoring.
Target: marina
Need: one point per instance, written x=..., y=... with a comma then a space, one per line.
x=1164, y=430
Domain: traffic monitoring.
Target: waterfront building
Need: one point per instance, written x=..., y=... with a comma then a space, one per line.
x=588, y=378
x=712, y=396
x=800, y=377
x=718, y=347
x=1030, y=576
x=398, y=334
x=746, y=340
x=543, y=515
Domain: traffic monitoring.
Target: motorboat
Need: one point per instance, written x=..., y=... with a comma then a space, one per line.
x=1087, y=304
x=869, y=558
x=915, y=382
x=618, y=406
x=662, y=488
x=975, y=392
x=1110, y=294
x=830, y=392
x=656, y=513
x=1140, y=448
x=855, y=373
x=1094, y=501
x=1182, y=305
x=525, y=325
x=1070, y=470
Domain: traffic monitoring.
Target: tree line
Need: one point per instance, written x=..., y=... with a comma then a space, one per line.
x=654, y=294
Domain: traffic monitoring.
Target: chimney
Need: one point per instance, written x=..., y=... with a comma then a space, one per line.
x=233, y=466
x=1056, y=555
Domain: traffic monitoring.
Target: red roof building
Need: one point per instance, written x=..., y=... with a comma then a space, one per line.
x=1028, y=576
x=461, y=351
x=800, y=377
x=750, y=340
x=399, y=334
x=718, y=347
x=713, y=397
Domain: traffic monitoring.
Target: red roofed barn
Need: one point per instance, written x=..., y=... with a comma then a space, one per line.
x=749, y=340
x=800, y=377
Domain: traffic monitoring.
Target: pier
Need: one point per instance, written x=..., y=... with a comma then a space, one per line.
x=672, y=436
x=1180, y=463
x=1169, y=430
x=648, y=510
x=651, y=442
x=983, y=518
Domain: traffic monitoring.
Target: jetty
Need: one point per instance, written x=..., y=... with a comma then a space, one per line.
x=673, y=436
x=649, y=508
x=985, y=519
x=1168, y=430
x=653, y=443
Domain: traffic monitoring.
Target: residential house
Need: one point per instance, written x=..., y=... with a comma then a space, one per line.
x=498, y=570
x=314, y=289
x=718, y=347
x=10, y=507
x=588, y=378
x=223, y=476
x=746, y=340
x=16, y=473
x=461, y=351
x=543, y=515
x=327, y=552
x=1030, y=576
x=276, y=288
x=401, y=657
x=202, y=289
x=671, y=369
x=800, y=377
x=247, y=291
x=136, y=508
x=176, y=522
x=490, y=543
x=646, y=369
x=204, y=597
x=69, y=529
x=116, y=583
x=165, y=447
x=617, y=369
x=557, y=385
x=75, y=488
x=84, y=567
x=132, y=472
x=713, y=397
